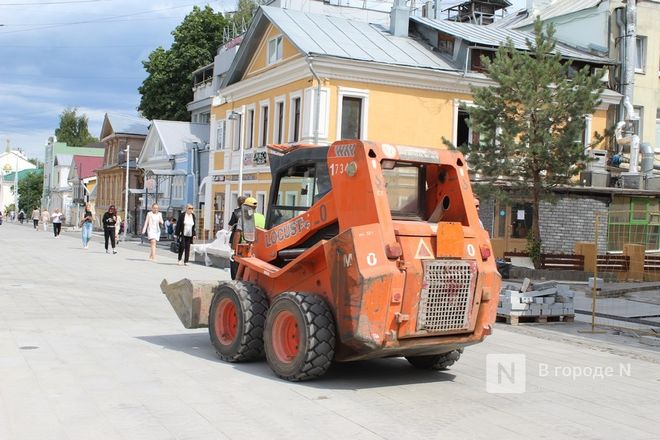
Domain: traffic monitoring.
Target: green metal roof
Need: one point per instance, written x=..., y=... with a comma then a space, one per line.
x=63, y=148
x=9, y=177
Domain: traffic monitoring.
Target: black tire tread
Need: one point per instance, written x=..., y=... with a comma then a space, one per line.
x=438, y=362
x=320, y=350
x=254, y=304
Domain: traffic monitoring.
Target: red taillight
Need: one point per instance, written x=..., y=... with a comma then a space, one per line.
x=485, y=252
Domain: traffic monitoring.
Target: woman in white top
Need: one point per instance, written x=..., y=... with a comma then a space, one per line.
x=185, y=232
x=57, y=222
x=152, y=229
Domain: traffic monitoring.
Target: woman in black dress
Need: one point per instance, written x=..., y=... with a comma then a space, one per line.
x=109, y=228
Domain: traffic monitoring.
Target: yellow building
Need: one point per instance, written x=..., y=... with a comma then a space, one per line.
x=301, y=77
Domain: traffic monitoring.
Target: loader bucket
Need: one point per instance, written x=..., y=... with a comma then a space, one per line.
x=190, y=300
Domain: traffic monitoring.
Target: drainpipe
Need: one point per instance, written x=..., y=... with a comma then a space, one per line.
x=621, y=25
x=629, y=80
x=317, y=101
x=195, y=171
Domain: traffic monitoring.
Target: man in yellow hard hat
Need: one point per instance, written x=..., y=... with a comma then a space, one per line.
x=237, y=237
x=259, y=219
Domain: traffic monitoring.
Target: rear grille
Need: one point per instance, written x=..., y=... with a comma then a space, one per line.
x=446, y=295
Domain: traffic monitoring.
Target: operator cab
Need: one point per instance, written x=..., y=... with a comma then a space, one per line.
x=300, y=179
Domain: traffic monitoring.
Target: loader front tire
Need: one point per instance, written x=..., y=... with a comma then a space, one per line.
x=299, y=338
x=435, y=362
x=236, y=321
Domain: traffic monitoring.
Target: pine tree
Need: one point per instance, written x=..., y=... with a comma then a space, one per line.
x=530, y=123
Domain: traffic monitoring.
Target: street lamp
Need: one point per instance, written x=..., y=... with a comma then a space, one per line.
x=128, y=148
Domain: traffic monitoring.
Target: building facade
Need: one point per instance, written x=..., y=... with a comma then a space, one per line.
x=82, y=180
x=56, y=172
x=120, y=133
x=397, y=85
x=174, y=160
x=12, y=162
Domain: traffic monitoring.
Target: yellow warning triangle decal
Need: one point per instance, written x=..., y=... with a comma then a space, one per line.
x=423, y=251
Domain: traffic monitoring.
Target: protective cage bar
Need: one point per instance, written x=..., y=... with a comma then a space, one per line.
x=446, y=296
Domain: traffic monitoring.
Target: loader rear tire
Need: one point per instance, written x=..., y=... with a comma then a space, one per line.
x=236, y=321
x=299, y=337
x=436, y=361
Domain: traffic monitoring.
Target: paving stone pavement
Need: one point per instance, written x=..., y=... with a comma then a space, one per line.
x=90, y=349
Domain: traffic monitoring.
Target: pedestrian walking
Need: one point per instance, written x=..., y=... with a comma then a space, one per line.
x=169, y=229
x=151, y=227
x=109, y=222
x=45, y=218
x=119, y=228
x=185, y=232
x=0, y=217
x=57, y=218
x=86, y=225
x=36, y=214
x=21, y=216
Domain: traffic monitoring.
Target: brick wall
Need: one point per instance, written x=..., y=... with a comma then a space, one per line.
x=487, y=214
x=569, y=220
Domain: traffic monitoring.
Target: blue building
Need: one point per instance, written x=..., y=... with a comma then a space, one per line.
x=175, y=160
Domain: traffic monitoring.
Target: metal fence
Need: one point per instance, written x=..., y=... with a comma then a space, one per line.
x=626, y=291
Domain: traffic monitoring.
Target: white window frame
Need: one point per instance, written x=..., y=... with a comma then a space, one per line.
x=262, y=198
x=233, y=201
x=286, y=198
x=353, y=93
x=639, y=124
x=220, y=130
x=273, y=58
x=265, y=104
x=249, y=126
x=177, y=187
x=458, y=103
x=233, y=130
x=278, y=132
x=641, y=58
x=292, y=97
x=587, y=130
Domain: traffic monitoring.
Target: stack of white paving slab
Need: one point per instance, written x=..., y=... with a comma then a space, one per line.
x=535, y=302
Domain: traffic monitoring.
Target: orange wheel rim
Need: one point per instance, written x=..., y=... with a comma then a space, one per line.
x=286, y=336
x=226, y=321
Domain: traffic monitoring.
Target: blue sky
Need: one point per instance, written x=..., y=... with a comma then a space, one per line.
x=87, y=54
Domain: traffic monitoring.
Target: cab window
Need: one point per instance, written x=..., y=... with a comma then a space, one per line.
x=298, y=188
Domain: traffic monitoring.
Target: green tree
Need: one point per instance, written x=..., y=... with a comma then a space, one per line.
x=244, y=13
x=36, y=162
x=530, y=123
x=168, y=86
x=29, y=191
x=73, y=129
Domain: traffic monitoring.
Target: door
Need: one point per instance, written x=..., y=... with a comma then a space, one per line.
x=512, y=224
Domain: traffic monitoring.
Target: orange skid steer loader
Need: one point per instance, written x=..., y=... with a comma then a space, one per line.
x=370, y=250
